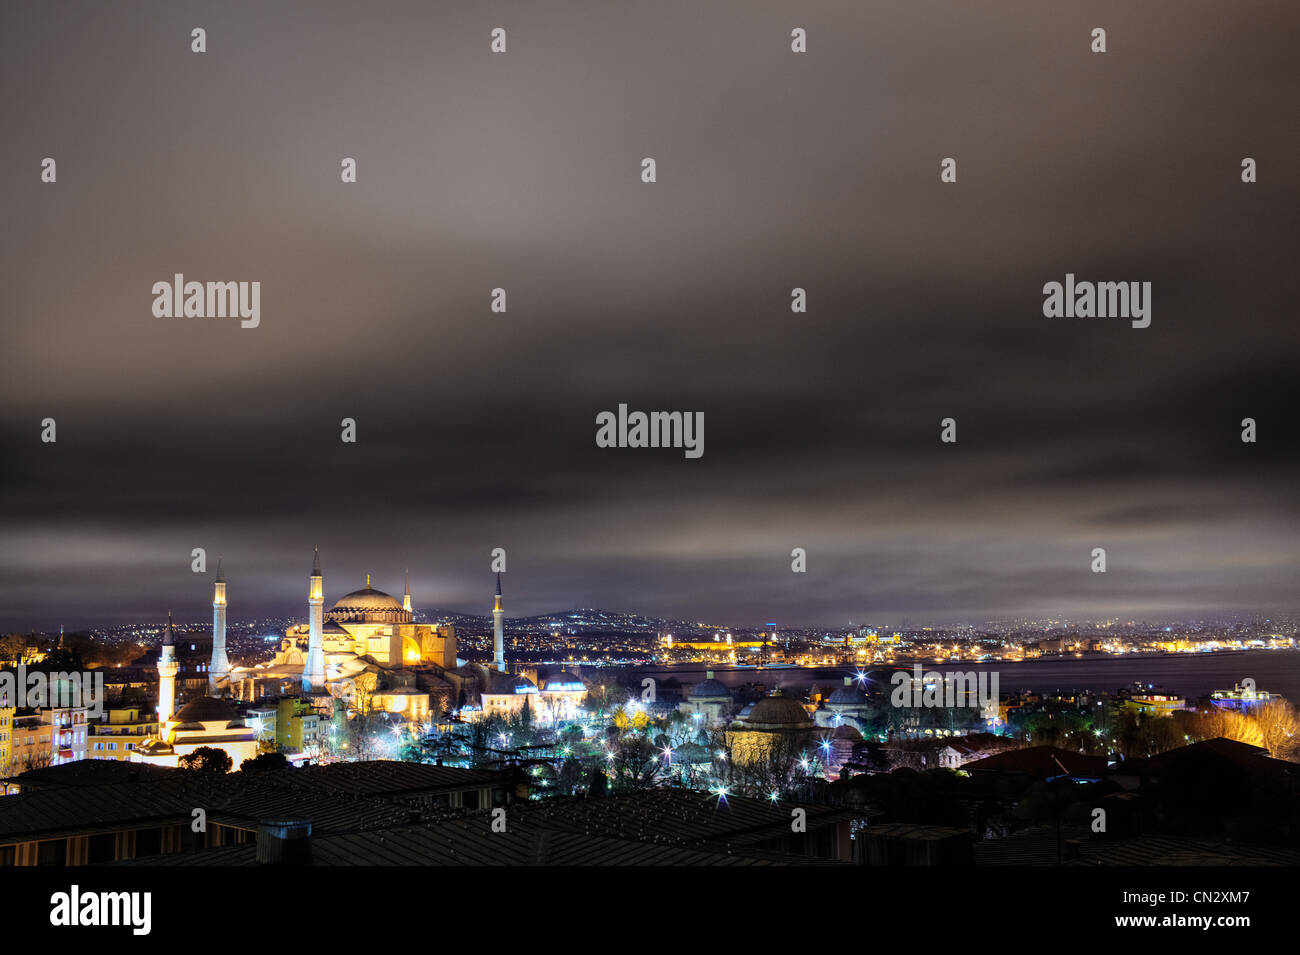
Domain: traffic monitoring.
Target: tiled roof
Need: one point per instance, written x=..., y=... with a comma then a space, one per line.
x=337, y=798
x=659, y=827
x=1041, y=762
x=1041, y=845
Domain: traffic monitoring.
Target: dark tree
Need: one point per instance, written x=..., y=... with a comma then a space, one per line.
x=264, y=763
x=207, y=759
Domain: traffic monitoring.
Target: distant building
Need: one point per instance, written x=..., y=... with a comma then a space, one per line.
x=364, y=631
x=30, y=742
x=778, y=727
x=120, y=734
x=1155, y=704
x=709, y=700
x=846, y=706
x=1242, y=699
x=297, y=725
x=6, y=739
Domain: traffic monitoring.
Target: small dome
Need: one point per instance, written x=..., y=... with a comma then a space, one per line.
x=847, y=696
x=778, y=713
x=507, y=683
x=563, y=682
x=709, y=689
x=845, y=731
x=207, y=709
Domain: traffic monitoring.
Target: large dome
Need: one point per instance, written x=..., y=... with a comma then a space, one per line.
x=367, y=598
x=368, y=605
x=778, y=713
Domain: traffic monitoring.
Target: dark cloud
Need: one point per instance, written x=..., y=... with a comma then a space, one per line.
x=775, y=171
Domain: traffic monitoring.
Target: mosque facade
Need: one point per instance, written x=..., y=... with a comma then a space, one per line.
x=365, y=647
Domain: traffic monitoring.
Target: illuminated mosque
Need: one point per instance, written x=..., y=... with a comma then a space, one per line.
x=416, y=674
x=552, y=699
x=365, y=631
x=415, y=664
x=205, y=721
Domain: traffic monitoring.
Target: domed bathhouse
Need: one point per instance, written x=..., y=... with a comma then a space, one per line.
x=553, y=698
x=846, y=706
x=709, y=698
x=778, y=727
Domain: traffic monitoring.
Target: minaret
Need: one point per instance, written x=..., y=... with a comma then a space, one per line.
x=219, y=668
x=167, y=669
x=313, y=674
x=498, y=632
x=406, y=599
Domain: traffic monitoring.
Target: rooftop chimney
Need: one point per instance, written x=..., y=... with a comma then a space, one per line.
x=284, y=842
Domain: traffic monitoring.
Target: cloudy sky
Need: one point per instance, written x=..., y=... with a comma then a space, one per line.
x=775, y=170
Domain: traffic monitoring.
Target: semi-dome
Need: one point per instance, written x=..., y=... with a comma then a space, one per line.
x=778, y=713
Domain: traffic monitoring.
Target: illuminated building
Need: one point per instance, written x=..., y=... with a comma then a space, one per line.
x=846, y=706
x=1155, y=704
x=709, y=699
x=6, y=739
x=167, y=668
x=313, y=667
x=777, y=727
x=560, y=697
x=30, y=743
x=405, y=701
x=219, y=668
x=1242, y=699
x=506, y=694
x=365, y=631
x=553, y=699
x=123, y=731
x=498, y=630
x=205, y=721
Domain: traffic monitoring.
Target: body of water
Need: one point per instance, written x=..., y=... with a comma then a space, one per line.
x=1185, y=674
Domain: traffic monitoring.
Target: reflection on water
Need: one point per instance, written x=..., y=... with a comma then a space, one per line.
x=1190, y=675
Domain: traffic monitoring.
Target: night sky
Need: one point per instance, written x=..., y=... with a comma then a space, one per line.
x=775, y=170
